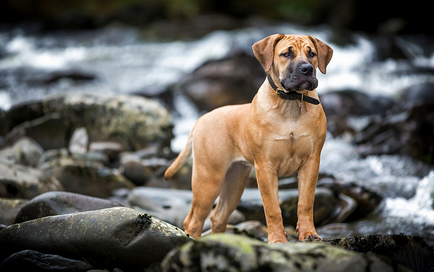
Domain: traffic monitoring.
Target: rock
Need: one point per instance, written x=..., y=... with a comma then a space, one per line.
x=111, y=149
x=418, y=95
x=345, y=109
x=79, y=141
x=20, y=113
x=133, y=169
x=24, y=151
x=87, y=178
x=411, y=251
x=407, y=131
x=251, y=205
x=146, y=165
x=233, y=80
x=57, y=203
x=355, y=202
x=30, y=260
x=133, y=121
x=167, y=204
x=18, y=181
x=108, y=238
x=226, y=252
x=63, y=156
x=50, y=131
x=9, y=209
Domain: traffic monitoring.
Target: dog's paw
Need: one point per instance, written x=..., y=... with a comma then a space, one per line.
x=277, y=239
x=308, y=235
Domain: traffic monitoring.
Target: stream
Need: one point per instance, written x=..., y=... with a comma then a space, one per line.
x=115, y=59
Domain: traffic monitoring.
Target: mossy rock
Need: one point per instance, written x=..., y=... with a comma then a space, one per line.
x=228, y=252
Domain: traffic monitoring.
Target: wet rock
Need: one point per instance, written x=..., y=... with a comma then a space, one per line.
x=167, y=204
x=63, y=156
x=56, y=203
x=87, y=178
x=133, y=121
x=225, y=252
x=407, y=131
x=355, y=201
x=50, y=131
x=41, y=79
x=24, y=151
x=132, y=168
x=79, y=141
x=411, y=251
x=18, y=181
x=147, y=166
x=345, y=109
x=234, y=80
x=9, y=209
x=251, y=205
x=108, y=238
x=30, y=260
x=111, y=149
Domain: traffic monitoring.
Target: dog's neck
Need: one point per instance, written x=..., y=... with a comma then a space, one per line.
x=286, y=98
x=290, y=95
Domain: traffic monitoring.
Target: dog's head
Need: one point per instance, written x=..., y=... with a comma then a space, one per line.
x=293, y=59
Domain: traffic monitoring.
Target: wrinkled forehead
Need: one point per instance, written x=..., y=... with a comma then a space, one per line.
x=297, y=42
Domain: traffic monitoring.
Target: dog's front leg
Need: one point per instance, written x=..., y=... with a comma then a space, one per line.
x=268, y=187
x=307, y=179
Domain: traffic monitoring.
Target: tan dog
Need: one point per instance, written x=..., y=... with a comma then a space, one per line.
x=275, y=135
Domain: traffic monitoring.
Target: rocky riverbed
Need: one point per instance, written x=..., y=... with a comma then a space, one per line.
x=78, y=192
x=82, y=158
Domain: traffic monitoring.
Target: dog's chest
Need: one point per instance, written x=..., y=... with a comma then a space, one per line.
x=291, y=149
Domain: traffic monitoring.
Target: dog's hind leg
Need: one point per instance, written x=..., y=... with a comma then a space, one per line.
x=206, y=186
x=233, y=187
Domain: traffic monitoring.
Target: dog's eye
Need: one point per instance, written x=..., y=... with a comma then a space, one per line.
x=312, y=54
x=287, y=54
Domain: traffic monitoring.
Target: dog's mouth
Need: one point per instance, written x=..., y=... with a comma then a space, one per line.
x=300, y=84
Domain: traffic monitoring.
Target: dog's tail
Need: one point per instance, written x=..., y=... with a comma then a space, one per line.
x=181, y=159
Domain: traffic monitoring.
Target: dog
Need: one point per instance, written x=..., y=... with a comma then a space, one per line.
x=280, y=132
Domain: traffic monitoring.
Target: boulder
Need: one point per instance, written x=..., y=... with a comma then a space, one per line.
x=87, y=178
x=9, y=208
x=407, y=131
x=233, y=80
x=63, y=156
x=57, y=203
x=50, y=131
x=24, y=151
x=347, y=110
x=226, y=252
x=30, y=260
x=169, y=205
x=18, y=181
x=411, y=251
x=133, y=121
x=108, y=238
x=111, y=149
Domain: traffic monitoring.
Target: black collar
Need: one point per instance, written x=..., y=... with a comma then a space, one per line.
x=291, y=95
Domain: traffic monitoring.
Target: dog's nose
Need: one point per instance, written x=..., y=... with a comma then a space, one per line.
x=306, y=68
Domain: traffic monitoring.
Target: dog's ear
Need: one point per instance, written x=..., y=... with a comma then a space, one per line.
x=264, y=50
x=325, y=53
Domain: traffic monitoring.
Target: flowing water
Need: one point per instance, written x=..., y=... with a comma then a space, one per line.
x=116, y=60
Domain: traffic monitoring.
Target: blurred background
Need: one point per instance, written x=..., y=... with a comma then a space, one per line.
x=194, y=56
